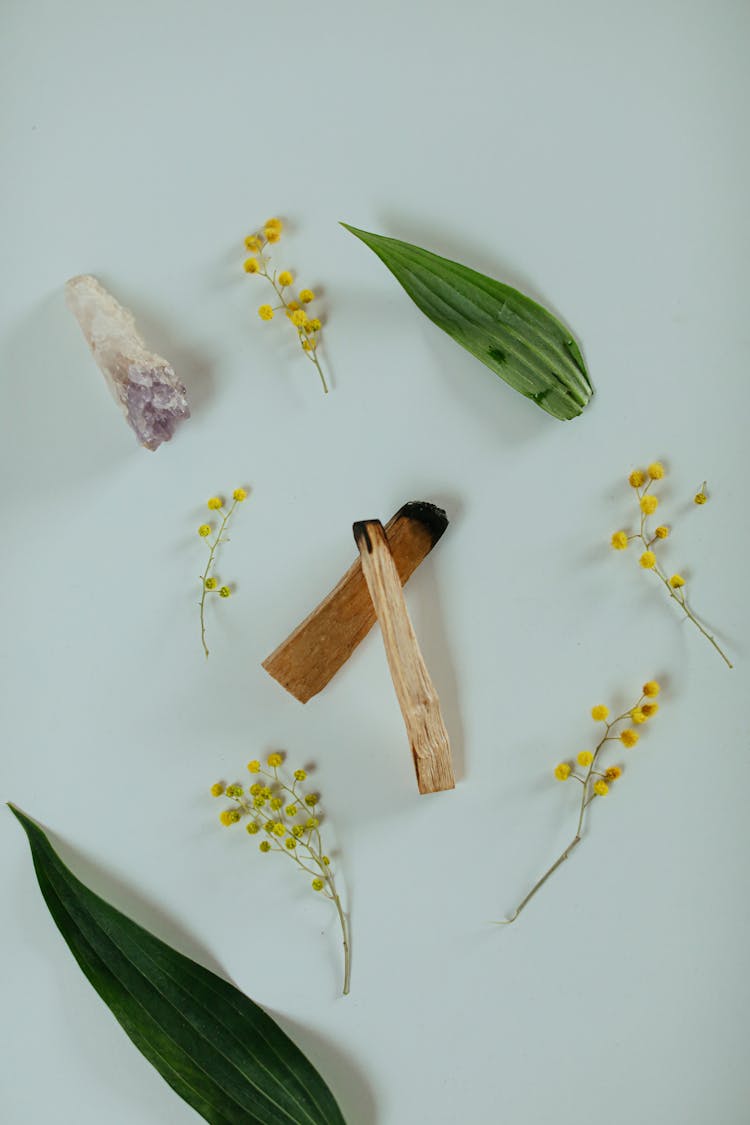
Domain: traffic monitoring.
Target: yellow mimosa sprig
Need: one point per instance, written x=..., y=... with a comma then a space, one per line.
x=594, y=777
x=306, y=327
x=288, y=818
x=213, y=537
x=641, y=481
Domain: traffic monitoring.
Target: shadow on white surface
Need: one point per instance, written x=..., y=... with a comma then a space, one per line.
x=355, y=1096
x=191, y=365
x=60, y=400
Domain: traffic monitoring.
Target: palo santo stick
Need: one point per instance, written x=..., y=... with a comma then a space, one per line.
x=417, y=697
x=325, y=640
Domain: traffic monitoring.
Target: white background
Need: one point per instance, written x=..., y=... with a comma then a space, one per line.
x=593, y=154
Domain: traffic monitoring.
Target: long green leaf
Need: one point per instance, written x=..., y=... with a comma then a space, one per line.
x=512, y=335
x=220, y=1052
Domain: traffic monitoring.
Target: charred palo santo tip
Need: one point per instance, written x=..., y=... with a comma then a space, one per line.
x=432, y=518
x=416, y=694
x=312, y=655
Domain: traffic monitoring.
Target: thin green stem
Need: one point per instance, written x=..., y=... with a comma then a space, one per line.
x=314, y=849
x=648, y=543
x=207, y=572
x=314, y=359
x=540, y=882
x=285, y=305
x=680, y=599
x=587, y=796
x=344, y=935
x=304, y=866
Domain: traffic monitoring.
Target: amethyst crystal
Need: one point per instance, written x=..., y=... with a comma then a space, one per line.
x=150, y=395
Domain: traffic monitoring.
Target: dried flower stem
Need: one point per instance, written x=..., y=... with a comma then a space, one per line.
x=207, y=580
x=307, y=328
x=313, y=845
x=640, y=481
x=589, y=780
x=679, y=597
x=279, y=826
x=311, y=354
x=677, y=594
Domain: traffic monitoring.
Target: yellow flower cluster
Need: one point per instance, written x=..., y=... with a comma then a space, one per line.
x=641, y=481
x=640, y=713
x=307, y=328
x=284, y=814
x=208, y=581
x=594, y=778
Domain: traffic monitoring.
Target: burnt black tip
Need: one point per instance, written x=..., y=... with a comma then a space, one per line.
x=362, y=535
x=429, y=515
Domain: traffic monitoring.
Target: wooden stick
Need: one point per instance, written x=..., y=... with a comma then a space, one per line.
x=417, y=697
x=314, y=652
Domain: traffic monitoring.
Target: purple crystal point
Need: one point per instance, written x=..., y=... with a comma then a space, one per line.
x=150, y=395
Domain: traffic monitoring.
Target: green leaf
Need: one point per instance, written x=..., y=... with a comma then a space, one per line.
x=216, y=1048
x=512, y=335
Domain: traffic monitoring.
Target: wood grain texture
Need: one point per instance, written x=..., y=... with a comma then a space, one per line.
x=309, y=658
x=417, y=697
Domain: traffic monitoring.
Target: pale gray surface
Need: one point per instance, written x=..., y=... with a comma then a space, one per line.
x=596, y=155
